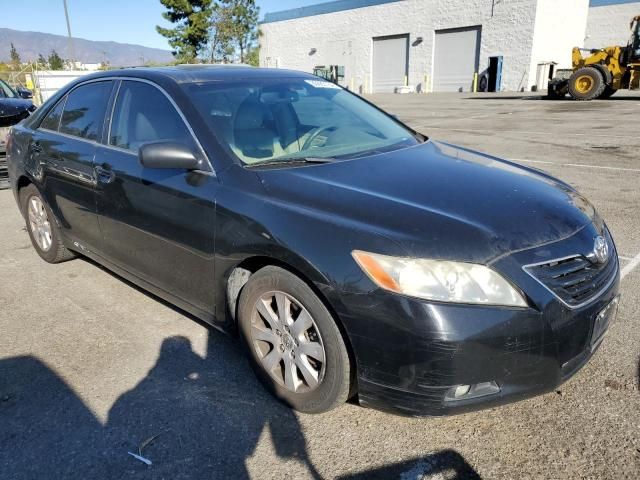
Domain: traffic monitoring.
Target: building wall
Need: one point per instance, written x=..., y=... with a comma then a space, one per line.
x=560, y=26
x=608, y=25
x=345, y=37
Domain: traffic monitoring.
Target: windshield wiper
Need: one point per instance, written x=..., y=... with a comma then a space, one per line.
x=291, y=160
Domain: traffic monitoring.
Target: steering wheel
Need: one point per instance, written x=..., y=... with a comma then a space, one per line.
x=315, y=133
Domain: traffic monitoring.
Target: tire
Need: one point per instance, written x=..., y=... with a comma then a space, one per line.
x=283, y=346
x=586, y=83
x=43, y=230
x=608, y=92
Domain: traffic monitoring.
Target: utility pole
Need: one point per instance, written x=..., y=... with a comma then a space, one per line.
x=71, y=52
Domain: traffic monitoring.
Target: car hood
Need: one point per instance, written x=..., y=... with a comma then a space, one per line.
x=437, y=200
x=10, y=107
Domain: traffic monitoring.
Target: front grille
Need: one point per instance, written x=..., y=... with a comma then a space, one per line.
x=575, y=280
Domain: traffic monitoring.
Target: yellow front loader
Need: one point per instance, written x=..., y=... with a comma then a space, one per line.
x=603, y=72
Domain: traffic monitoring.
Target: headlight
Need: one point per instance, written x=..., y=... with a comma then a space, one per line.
x=439, y=280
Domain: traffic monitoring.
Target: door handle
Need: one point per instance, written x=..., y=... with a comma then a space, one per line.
x=104, y=175
x=36, y=148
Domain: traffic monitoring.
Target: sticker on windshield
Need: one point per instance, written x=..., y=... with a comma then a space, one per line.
x=322, y=84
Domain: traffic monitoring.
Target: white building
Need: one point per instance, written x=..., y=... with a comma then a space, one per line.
x=440, y=44
x=90, y=67
x=608, y=22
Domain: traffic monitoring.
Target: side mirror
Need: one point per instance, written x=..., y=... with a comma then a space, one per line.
x=168, y=155
x=24, y=93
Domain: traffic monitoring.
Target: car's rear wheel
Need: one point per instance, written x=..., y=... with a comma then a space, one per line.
x=42, y=228
x=293, y=341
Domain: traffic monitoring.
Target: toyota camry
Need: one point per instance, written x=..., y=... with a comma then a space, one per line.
x=354, y=256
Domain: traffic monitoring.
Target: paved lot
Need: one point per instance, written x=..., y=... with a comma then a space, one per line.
x=91, y=367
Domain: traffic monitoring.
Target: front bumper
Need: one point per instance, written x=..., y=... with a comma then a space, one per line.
x=412, y=354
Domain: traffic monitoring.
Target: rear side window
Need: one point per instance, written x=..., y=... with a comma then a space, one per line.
x=52, y=120
x=143, y=114
x=84, y=111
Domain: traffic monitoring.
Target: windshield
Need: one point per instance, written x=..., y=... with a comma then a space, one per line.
x=288, y=119
x=6, y=91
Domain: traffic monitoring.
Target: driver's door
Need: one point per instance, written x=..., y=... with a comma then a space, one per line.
x=157, y=224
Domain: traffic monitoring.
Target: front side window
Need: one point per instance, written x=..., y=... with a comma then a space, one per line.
x=143, y=114
x=52, y=120
x=267, y=120
x=84, y=110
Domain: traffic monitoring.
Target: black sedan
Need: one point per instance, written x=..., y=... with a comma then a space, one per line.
x=14, y=107
x=353, y=256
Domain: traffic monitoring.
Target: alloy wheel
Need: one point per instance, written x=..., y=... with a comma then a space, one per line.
x=287, y=342
x=39, y=223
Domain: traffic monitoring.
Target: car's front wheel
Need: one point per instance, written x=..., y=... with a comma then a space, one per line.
x=293, y=341
x=44, y=232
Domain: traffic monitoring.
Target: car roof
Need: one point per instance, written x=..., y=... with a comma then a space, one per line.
x=201, y=73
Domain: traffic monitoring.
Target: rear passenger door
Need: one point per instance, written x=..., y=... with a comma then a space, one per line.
x=158, y=224
x=64, y=145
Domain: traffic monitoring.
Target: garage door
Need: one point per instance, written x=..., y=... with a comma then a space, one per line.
x=456, y=59
x=390, y=58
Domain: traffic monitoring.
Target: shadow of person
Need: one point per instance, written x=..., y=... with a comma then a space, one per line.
x=46, y=431
x=208, y=414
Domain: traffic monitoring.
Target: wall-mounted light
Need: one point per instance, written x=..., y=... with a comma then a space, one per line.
x=313, y=51
x=417, y=42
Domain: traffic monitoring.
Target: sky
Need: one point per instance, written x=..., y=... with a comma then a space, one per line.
x=124, y=21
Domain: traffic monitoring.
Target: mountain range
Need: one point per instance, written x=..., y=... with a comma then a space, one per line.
x=30, y=44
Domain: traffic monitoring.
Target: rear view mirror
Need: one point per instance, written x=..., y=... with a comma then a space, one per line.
x=168, y=155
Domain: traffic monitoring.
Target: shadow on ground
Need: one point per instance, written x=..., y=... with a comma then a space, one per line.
x=194, y=417
x=208, y=414
x=201, y=417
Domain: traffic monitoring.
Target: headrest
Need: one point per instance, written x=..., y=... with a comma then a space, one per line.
x=250, y=115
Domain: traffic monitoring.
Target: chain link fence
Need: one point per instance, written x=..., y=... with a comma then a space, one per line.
x=42, y=83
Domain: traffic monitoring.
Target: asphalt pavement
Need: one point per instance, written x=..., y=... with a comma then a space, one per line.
x=93, y=369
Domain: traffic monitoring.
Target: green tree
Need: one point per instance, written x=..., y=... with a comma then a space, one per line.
x=15, y=57
x=55, y=61
x=244, y=20
x=42, y=62
x=220, y=37
x=191, y=32
x=253, y=56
